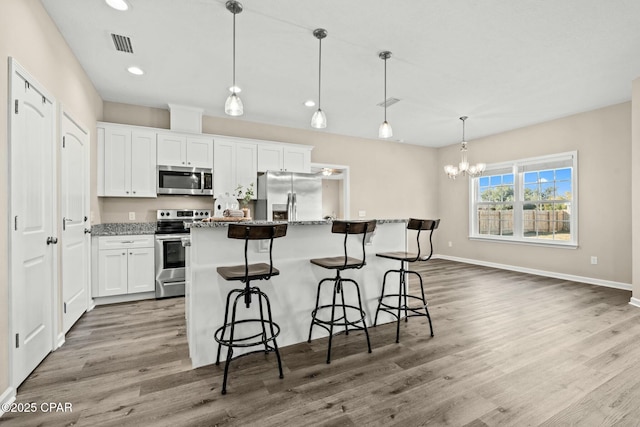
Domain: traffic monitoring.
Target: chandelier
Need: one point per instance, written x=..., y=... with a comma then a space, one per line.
x=463, y=167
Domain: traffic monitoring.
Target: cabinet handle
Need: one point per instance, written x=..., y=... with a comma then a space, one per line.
x=127, y=241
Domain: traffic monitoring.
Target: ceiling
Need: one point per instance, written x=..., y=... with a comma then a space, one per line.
x=505, y=64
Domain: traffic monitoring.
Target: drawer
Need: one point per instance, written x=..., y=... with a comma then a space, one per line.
x=125, y=242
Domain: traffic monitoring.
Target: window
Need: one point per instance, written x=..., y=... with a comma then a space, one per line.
x=530, y=200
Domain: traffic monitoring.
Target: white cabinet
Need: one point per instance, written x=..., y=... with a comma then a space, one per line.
x=184, y=150
x=234, y=163
x=127, y=162
x=284, y=157
x=125, y=265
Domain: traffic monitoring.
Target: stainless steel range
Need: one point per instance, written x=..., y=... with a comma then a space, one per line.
x=169, y=252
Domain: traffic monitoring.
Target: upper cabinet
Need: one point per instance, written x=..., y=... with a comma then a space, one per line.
x=284, y=157
x=126, y=163
x=235, y=163
x=184, y=150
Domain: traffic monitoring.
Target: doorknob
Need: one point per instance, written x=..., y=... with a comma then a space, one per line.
x=52, y=240
x=64, y=223
x=87, y=231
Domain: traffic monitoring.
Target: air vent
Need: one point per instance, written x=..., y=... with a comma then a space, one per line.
x=388, y=102
x=122, y=43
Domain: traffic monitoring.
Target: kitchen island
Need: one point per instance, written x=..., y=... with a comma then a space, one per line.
x=293, y=292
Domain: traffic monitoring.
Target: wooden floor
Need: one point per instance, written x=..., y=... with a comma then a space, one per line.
x=509, y=349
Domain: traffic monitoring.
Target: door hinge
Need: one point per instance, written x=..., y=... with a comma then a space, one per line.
x=16, y=106
x=63, y=141
x=17, y=340
x=65, y=308
x=26, y=85
x=15, y=223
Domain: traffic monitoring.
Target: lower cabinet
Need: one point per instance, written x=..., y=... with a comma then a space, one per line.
x=125, y=265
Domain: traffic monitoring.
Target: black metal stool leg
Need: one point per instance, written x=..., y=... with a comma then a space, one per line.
x=315, y=310
x=384, y=281
x=224, y=325
x=405, y=284
x=333, y=314
x=424, y=300
x=364, y=322
x=399, y=307
x=275, y=344
x=230, y=349
x=262, y=296
x=344, y=307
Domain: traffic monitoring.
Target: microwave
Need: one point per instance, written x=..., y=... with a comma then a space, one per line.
x=181, y=180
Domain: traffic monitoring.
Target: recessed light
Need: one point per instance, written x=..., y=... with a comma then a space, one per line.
x=310, y=103
x=121, y=5
x=235, y=89
x=135, y=71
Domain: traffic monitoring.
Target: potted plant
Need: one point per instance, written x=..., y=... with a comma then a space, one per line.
x=244, y=195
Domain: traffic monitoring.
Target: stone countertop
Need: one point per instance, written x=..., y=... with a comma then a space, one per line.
x=123, y=228
x=291, y=223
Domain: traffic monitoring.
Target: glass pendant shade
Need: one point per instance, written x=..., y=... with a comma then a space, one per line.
x=319, y=120
x=233, y=105
x=385, y=130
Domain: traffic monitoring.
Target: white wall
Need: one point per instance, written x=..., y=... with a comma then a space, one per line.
x=603, y=140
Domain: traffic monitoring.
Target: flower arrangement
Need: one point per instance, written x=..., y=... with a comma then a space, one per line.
x=244, y=195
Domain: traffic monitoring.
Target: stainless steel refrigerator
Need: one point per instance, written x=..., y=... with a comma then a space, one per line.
x=288, y=196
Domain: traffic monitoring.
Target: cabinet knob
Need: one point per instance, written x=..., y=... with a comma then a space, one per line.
x=188, y=163
x=127, y=192
x=130, y=253
x=134, y=192
x=183, y=163
x=124, y=253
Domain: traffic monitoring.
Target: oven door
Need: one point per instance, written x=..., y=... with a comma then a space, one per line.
x=170, y=265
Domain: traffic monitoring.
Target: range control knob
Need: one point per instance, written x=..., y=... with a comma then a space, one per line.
x=168, y=213
x=161, y=213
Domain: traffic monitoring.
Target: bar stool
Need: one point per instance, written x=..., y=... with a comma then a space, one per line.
x=404, y=257
x=339, y=264
x=267, y=329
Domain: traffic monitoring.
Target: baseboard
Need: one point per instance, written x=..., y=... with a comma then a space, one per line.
x=7, y=398
x=635, y=302
x=555, y=275
x=61, y=339
x=92, y=305
x=115, y=299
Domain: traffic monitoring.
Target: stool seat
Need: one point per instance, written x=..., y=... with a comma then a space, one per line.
x=337, y=262
x=403, y=256
x=255, y=272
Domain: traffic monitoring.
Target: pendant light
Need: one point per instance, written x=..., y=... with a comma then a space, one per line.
x=233, y=106
x=319, y=119
x=385, y=130
x=463, y=167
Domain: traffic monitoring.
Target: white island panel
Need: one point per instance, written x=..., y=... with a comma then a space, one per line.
x=292, y=293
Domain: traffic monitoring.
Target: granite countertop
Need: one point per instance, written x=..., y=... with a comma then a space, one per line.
x=123, y=228
x=291, y=223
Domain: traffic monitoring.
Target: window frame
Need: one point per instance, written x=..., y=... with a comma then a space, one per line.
x=518, y=169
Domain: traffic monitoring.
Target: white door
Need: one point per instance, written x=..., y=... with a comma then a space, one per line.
x=224, y=167
x=140, y=263
x=112, y=272
x=172, y=150
x=32, y=218
x=200, y=152
x=143, y=164
x=117, y=162
x=74, y=211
